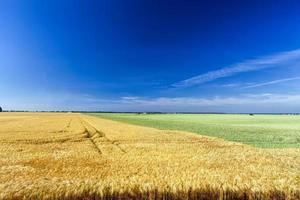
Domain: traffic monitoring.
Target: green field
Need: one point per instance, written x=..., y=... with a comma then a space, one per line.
x=267, y=131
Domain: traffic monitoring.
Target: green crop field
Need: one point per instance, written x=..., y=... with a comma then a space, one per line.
x=267, y=131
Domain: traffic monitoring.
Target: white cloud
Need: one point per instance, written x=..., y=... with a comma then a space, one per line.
x=273, y=82
x=231, y=85
x=129, y=98
x=216, y=101
x=276, y=60
x=243, y=103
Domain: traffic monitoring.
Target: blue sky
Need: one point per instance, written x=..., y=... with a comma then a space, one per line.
x=233, y=56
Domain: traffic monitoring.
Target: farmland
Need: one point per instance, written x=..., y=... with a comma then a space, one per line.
x=268, y=131
x=76, y=156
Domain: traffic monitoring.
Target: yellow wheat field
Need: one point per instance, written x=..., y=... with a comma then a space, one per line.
x=74, y=156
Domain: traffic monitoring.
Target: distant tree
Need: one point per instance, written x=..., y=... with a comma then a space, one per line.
x=0, y=109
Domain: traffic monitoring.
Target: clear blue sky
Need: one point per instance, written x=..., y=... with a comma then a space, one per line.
x=151, y=55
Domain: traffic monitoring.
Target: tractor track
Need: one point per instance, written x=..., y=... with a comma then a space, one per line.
x=92, y=135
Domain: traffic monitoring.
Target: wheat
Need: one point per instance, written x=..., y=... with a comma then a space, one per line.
x=73, y=156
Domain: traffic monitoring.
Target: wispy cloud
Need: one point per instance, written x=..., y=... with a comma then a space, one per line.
x=238, y=103
x=245, y=99
x=231, y=85
x=276, y=60
x=273, y=82
x=265, y=102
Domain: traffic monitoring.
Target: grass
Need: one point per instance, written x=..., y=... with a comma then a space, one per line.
x=76, y=156
x=267, y=131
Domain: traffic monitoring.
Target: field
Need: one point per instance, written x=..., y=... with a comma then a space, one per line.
x=76, y=156
x=268, y=131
